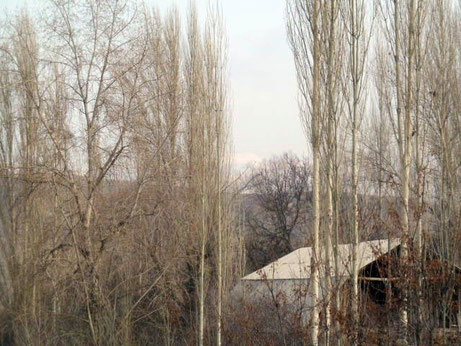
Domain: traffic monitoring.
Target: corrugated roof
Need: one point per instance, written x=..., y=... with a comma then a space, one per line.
x=296, y=265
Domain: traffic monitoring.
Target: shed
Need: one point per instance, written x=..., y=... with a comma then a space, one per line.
x=285, y=285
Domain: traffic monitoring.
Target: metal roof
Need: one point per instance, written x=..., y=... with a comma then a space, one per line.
x=296, y=265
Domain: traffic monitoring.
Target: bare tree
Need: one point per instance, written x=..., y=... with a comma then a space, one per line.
x=304, y=35
x=277, y=202
x=358, y=38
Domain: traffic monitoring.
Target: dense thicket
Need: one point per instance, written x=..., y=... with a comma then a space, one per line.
x=378, y=83
x=116, y=202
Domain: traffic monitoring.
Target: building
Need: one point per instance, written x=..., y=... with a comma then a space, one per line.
x=283, y=287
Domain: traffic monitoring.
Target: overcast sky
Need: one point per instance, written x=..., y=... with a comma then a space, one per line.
x=262, y=76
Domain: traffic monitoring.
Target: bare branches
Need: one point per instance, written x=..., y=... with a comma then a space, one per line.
x=115, y=154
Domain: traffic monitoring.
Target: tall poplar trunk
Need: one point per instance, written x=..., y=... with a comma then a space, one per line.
x=316, y=175
x=418, y=150
x=404, y=137
x=202, y=273
x=403, y=313
x=331, y=66
x=336, y=236
x=220, y=264
x=355, y=22
x=407, y=155
x=204, y=226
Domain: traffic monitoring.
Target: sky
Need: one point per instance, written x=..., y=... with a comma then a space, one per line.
x=261, y=72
